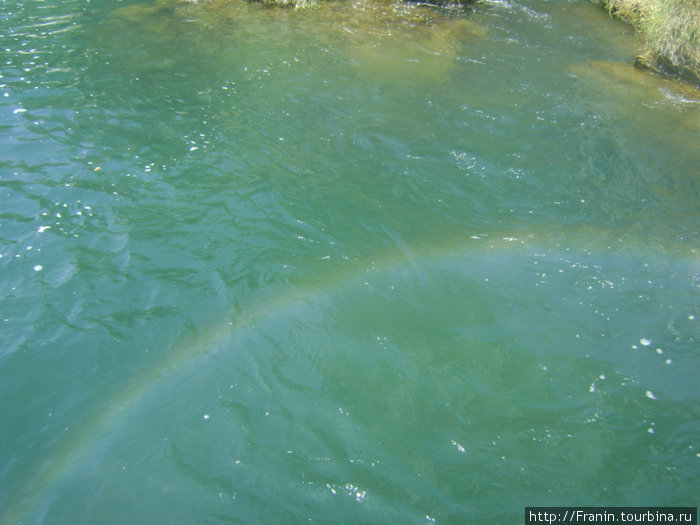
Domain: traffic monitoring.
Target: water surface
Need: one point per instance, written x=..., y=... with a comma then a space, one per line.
x=371, y=262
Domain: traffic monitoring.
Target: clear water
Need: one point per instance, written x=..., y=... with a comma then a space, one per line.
x=366, y=263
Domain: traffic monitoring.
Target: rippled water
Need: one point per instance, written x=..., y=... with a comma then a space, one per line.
x=366, y=263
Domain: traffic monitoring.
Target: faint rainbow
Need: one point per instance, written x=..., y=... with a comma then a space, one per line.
x=98, y=429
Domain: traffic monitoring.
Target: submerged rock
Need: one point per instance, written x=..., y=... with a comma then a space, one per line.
x=630, y=79
x=142, y=12
x=385, y=42
x=401, y=29
x=394, y=40
x=638, y=97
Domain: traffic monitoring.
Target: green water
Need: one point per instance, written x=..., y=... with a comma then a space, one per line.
x=366, y=263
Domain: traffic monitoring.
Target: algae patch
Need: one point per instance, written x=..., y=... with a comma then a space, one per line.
x=387, y=39
x=629, y=81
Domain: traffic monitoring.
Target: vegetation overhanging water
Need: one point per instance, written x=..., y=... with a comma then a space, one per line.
x=671, y=29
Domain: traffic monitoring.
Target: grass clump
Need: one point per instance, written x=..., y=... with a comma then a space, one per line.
x=671, y=29
x=628, y=10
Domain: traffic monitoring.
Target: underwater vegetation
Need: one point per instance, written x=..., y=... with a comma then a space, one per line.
x=670, y=28
x=384, y=38
x=182, y=5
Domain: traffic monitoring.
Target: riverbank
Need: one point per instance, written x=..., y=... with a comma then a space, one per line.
x=671, y=30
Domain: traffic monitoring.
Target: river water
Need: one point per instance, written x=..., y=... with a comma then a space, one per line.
x=371, y=262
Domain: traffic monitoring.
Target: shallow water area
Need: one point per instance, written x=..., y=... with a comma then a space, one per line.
x=368, y=262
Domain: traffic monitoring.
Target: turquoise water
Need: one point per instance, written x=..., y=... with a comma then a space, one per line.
x=366, y=263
